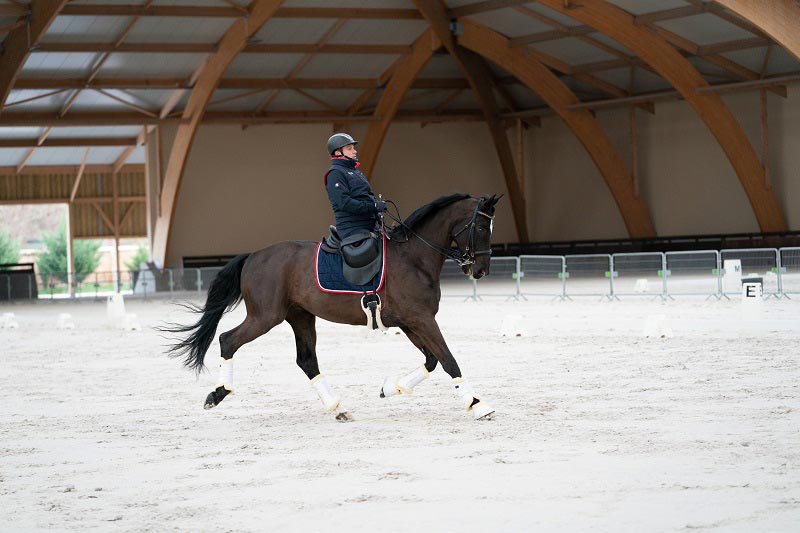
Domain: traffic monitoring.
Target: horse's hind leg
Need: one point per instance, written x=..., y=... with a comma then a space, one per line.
x=305, y=335
x=229, y=343
x=405, y=384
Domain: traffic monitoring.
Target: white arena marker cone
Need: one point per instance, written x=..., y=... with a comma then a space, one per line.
x=512, y=326
x=642, y=286
x=131, y=323
x=65, y=321
x=115, y=310
x=9, y=321
x=656, y=326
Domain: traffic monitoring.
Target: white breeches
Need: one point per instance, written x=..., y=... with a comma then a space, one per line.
x=405, y=384
x=226, y=374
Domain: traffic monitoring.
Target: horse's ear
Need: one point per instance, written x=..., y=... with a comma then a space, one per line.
x=491, y=202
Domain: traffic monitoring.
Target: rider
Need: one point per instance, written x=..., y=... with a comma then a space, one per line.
x=354, y=205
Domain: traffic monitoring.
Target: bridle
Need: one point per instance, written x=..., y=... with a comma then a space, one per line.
x=464, y=257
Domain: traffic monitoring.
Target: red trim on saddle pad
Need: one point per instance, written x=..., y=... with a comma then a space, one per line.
x=323, y=289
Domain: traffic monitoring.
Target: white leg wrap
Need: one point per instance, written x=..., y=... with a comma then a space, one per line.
x=407, y=383
x=390, y=387
x=226, y=374
x=329, y=400
x=467, y=396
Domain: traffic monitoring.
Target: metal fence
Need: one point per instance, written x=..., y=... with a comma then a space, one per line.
x=708, y=273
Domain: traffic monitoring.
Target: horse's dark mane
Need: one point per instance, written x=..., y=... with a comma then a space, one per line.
x=416, y=218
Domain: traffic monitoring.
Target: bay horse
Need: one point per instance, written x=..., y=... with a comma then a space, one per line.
x=278, y=283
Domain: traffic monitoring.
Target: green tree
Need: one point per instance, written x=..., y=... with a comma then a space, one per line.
x=141, y=256
x=53, y=261
x=9, y=248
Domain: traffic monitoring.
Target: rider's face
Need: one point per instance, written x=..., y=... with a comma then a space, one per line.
x=350, y=151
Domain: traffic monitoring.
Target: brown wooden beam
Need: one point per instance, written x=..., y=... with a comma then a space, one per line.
x=43, y=170
x=231, y=44
x=84, y=118
x=210, y=48
x=480, y=77
x=68, y=142
x=402, y=79
x=559, y=97
x=780, y=19
x=483, y=7
x=79, y=176
x=19, y=42
x=117, y=10
x=677, y=70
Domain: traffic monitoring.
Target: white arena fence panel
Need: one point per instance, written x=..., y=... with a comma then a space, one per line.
x=693, y=273
x=455, y=284
x=759, y=262
x=789, y=270
x=502, y=281
x=588, y=275
x=542, y=275
x=639, y=274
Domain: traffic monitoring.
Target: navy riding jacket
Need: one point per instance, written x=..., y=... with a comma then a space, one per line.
x=351, y=197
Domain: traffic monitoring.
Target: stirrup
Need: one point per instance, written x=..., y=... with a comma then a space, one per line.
x=371, y=305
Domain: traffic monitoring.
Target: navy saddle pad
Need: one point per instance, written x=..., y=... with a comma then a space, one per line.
x=329, y=275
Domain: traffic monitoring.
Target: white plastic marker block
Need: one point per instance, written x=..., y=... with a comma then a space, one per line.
x=65, y=321
x=752, y=298
x=642, y=286
x=733, y=274
x=656, y=326
x=9, y=321
x=513, y=326
x=131, y=323
x=115, y=310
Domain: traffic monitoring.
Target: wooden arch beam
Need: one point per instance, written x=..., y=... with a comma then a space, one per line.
x=233, y=42
x=480, y=77
x=559, y=97
x=21, y=40
x=678, y=71
x=401, y=81
x=780, y=19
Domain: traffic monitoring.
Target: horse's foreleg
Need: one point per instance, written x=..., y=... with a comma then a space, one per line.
x=431, y=338
x=405, y=384
x=229, y=343
x=305, y=335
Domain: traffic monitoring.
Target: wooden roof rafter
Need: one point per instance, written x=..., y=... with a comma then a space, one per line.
x=559, y=97
x=779, y=19
x=679, y=72
x=480, y=79
x=231, y=44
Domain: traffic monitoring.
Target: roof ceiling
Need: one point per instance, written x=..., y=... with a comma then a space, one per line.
x=98, y=56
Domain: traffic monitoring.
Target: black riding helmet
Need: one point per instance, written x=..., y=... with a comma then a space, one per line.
x=338, y=141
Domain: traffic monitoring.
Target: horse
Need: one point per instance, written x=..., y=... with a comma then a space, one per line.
x=278, y=283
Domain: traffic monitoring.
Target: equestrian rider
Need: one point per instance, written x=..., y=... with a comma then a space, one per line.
x=354, y=205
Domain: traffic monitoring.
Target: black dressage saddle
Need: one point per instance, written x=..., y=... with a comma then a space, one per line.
x=362, y=253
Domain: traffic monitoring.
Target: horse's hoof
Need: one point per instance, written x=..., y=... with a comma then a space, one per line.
x=382, y=394
x=344, y=417
x=482, y=411
x=209, y=404
x=215, y=396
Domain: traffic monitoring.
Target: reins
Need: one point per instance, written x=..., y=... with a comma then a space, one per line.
x=462, y=258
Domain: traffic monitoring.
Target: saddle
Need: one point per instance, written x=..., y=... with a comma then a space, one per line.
x=362, y=253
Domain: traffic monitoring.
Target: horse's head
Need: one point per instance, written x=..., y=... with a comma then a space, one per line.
x=474, y=237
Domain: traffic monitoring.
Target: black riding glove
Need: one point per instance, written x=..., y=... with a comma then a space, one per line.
x=380, y=206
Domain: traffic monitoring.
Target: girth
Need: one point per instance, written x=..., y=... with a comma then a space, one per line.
x=362, y=253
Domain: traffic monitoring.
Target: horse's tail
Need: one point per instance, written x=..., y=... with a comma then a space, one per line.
x=225, y=294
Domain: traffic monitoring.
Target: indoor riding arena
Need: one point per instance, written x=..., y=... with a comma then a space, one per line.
x=480, y=265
